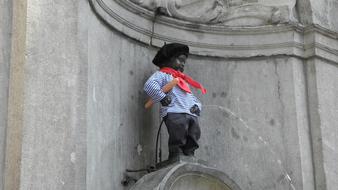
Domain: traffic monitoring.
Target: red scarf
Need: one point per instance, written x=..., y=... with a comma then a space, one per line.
x=183, y=80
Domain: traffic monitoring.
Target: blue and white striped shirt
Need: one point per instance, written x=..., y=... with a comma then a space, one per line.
x=181, y=100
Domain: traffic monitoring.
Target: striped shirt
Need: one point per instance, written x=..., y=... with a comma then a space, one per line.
x=181, y=100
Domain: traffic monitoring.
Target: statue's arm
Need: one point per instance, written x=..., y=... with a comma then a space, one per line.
x=153, y=87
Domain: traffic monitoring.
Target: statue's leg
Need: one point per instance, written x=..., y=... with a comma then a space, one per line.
x=177, y=125
x=194, y=134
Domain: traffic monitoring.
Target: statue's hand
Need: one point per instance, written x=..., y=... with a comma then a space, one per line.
x=166, y=100
x=195, y=110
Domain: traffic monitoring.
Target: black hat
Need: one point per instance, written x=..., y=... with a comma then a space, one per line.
x=168, y=51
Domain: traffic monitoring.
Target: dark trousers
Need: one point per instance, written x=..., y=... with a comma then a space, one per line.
x=184, y=132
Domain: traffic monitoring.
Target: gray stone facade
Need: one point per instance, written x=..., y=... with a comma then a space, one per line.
x=71, y=98
x=5, y=46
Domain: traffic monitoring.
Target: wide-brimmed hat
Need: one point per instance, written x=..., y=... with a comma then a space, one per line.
x=168, y=51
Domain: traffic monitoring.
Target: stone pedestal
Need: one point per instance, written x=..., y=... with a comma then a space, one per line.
x=186, y=173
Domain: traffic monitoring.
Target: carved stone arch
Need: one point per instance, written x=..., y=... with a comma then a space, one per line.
x=217, y=39
x=186, y=175
x=204, y=39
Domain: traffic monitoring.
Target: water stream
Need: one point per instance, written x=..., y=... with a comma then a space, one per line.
x=285, y=176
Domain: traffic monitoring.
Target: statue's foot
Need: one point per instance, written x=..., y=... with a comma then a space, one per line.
x=175, y=155
x=189, y=153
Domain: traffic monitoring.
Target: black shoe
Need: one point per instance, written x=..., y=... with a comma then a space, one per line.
x=189, y=153
x=174, y=156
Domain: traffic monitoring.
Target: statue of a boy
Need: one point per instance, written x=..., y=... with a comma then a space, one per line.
x=180, y=108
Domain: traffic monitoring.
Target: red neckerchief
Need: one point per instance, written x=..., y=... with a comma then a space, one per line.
x=183, y=80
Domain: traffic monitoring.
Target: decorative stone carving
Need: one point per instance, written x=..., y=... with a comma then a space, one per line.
x=219, y=39
x=226, y=12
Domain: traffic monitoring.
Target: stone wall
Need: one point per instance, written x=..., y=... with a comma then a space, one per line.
x=54, y=123
x=325, y=13
x=250, y=124
x=322, y=13
x=76, y=118
x=120, y=133
x=322, y=79
x=5, y=47
x=327, y=81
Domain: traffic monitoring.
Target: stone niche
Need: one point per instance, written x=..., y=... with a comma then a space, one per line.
x=187, y=174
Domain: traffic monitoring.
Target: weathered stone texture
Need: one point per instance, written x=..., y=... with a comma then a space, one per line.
x=249, y=119
x=15, y=104
x=55, y=77
x=327, y=83
x=325, y=13
x=323, y=117
x=226, y=12
x=121, y=133
x=5, y=46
